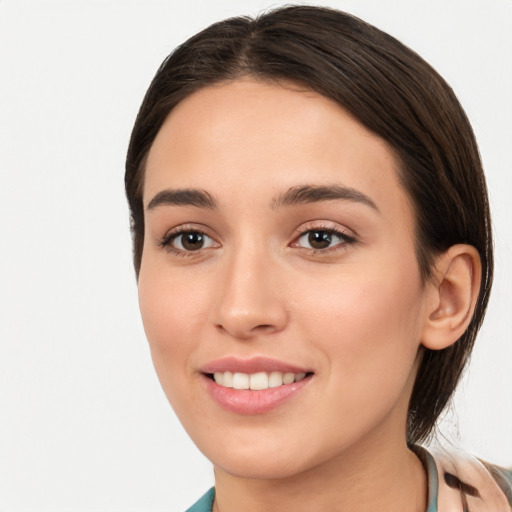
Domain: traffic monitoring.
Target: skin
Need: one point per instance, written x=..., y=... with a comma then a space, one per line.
x=355, y=314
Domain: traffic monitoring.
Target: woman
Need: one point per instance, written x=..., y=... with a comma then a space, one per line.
x=314, y=255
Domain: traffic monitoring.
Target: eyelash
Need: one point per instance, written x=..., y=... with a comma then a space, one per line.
x=346, y=239
x=166, y=241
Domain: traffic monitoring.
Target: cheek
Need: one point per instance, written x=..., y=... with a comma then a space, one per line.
x=368, y=324
x=172, y=312
x=387, y=294
x=171, y=302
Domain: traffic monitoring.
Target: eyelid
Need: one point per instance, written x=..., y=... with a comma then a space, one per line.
x=166, y=240
x=347, y=235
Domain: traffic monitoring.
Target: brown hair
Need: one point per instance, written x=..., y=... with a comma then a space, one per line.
x=390, y=90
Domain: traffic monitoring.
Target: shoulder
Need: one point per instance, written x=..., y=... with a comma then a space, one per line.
x=205, y=503
x=503, y=477
x=463, y=477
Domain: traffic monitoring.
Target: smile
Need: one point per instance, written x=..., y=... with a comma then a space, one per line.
x=256, y=381
x=255, y=385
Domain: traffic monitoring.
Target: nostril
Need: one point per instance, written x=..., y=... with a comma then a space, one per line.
x=244, y=333
x=264, y=327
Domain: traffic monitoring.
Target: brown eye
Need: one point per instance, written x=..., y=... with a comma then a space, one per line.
x=319, y=239
x=191, y=241
x=323, y=239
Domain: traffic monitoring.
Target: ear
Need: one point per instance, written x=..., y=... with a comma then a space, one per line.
x=451, y=296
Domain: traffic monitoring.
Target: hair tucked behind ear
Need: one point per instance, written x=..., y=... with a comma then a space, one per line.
x=391, y=91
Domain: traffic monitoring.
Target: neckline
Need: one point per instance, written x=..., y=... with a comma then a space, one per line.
x=429, y=464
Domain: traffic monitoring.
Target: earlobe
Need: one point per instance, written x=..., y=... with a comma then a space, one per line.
x=451, y=296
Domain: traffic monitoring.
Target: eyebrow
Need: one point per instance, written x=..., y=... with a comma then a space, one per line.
x=183, y=197
x=315, y=193
x=301, y=194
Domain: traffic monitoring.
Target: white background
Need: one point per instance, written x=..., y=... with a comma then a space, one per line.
x=84, y=425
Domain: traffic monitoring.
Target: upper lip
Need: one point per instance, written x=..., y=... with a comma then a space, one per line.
x=251, y=365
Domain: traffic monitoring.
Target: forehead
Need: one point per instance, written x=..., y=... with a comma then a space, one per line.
x=262, y=138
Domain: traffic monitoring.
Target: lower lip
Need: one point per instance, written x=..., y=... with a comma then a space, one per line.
x=245, y=401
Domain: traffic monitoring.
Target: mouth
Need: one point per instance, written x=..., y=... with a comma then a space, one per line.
x=258, y=381
x=254, y=386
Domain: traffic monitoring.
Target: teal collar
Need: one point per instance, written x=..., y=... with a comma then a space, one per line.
x=432, y=481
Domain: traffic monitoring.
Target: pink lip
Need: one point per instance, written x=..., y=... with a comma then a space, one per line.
x=244, y=401
x=252, y=365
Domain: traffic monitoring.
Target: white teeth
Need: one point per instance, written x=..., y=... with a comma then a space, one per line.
x=288, y=378
x=256, y=381
x=241, y=381
x=228, y=380
x=275, y=379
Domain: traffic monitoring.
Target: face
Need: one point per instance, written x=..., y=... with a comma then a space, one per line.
x=279, y=255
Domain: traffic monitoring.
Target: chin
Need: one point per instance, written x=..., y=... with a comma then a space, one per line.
x=273, y=456
x=261, y=468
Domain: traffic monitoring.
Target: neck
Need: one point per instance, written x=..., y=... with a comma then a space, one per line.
x=376, y=476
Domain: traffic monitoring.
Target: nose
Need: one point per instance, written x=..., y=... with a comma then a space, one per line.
x=250, y=302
